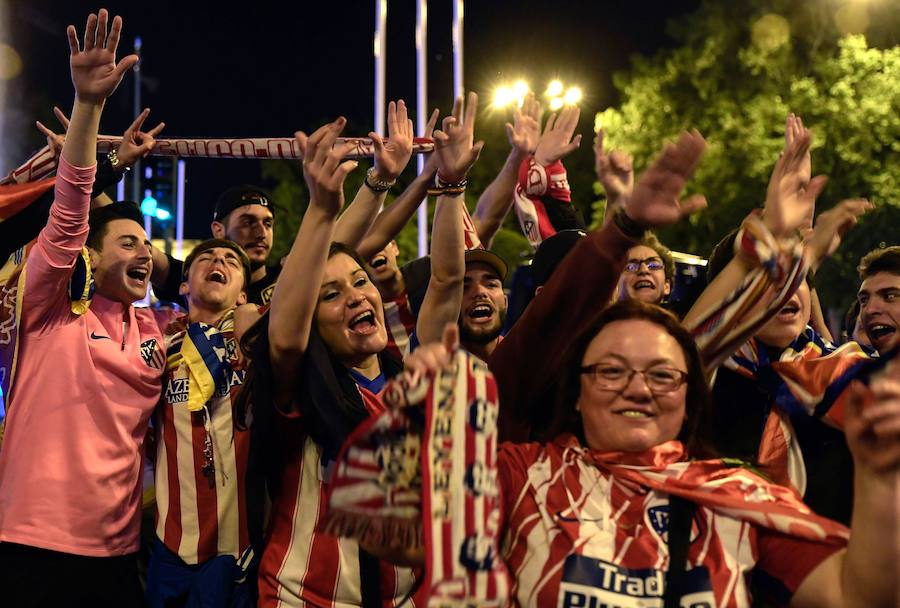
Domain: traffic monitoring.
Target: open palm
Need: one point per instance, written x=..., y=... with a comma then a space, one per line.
x=95, y=73
x=655, y=203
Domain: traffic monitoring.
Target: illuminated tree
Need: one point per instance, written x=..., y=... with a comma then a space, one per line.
x=737, y=73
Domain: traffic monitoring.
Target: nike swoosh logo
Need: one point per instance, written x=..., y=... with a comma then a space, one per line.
x=96, y=337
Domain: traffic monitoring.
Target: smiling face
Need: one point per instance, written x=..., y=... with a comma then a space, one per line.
x=123, y=264
x=483, y=305
x=215, y=280
x=634, y=418
x=383, y=266
x=789, y=322
x=644, y=277
x=879, y=309
x=349, y=315
x=251, y=227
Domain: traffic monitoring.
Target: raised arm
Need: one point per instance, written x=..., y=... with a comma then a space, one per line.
x=390, y=160
x=790, y=201
x=866, y=573
x=497, y=199
x=391, y=221
x=95, y=75
x=297, y=292
x=543, y=200
x=456, y=154
x=581, y=286
x=615, y=170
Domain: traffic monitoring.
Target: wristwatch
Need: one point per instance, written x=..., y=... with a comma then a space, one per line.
x=117, y=165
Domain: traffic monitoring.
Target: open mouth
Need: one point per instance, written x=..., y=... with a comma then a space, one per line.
x=138, y=274
x=217, y=276
x=879, y=332
x=363, y=323
x=643, y=284
x=788, y=311
x=379, y=262
x=481, y=311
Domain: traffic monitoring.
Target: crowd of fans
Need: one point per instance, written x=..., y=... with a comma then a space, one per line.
x=338, y=429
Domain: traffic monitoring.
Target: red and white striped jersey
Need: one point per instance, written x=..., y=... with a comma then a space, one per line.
x=576, y=536
x=303, y=567
x=400, y=322
x=196, y=518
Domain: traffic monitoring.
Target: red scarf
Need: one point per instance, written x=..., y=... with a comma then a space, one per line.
x=718, y=484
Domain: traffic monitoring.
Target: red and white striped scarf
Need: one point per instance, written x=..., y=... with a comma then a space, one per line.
x=430, y=478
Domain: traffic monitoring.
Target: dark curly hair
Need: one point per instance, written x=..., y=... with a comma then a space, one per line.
x=695, y=432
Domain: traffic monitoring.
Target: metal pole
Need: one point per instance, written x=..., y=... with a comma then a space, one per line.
x=380, y=50
x=458, y=89
x=136, y=172
x=179, y=210
x=422, y=110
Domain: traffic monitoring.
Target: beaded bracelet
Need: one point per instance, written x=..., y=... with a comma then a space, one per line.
x=443, y=188
x=375, y=183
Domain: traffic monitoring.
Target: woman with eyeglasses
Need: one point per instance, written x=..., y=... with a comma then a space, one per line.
x=629, y=506
x=649, y=272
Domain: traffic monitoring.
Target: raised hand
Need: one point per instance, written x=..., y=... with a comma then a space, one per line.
x=831, y=226
x=654, y=202
x=137, y=144
x=54, y=140
x=557, y=140
x=615, y=170
x=323, y=168
x=431, y=163
x=392, y=157
x=95, y=73
x=791, y=194
x=525, y=129
x=453, y=145
x=872, y=423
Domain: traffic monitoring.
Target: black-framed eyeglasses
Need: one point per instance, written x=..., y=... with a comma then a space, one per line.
x=660, y=379
x=652, y=264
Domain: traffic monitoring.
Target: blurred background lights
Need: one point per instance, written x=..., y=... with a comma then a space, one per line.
x=770, y=32
x=572, y=96
x=10, y=62
x=554, y=89
x=558, y=95
x=509, y=94
x=852, y=18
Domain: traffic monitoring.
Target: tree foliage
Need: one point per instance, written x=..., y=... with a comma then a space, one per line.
x=738, y=71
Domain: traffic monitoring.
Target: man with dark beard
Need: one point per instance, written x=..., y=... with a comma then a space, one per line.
x=484, y=303
x=463, y=286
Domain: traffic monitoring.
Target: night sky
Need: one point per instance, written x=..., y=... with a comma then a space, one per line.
x=212, y=69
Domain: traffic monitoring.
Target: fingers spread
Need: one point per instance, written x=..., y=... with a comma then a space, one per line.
x=90, y=32
x=72, y=34
x=44, y=129
x=101, y=28
x=112, y=43
x=432, y=121
x=138, y=122
x=155, y=130
x=61, y=117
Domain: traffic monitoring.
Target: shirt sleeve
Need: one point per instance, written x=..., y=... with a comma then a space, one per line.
x=785, y=562
x=51, y=260
x=529, y=359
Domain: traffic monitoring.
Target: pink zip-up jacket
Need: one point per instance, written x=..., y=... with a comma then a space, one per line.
x=70, y=466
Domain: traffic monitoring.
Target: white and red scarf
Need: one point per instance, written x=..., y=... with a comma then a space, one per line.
x=415, y=477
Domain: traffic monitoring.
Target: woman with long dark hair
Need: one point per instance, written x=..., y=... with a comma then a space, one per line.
x=320, y=358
